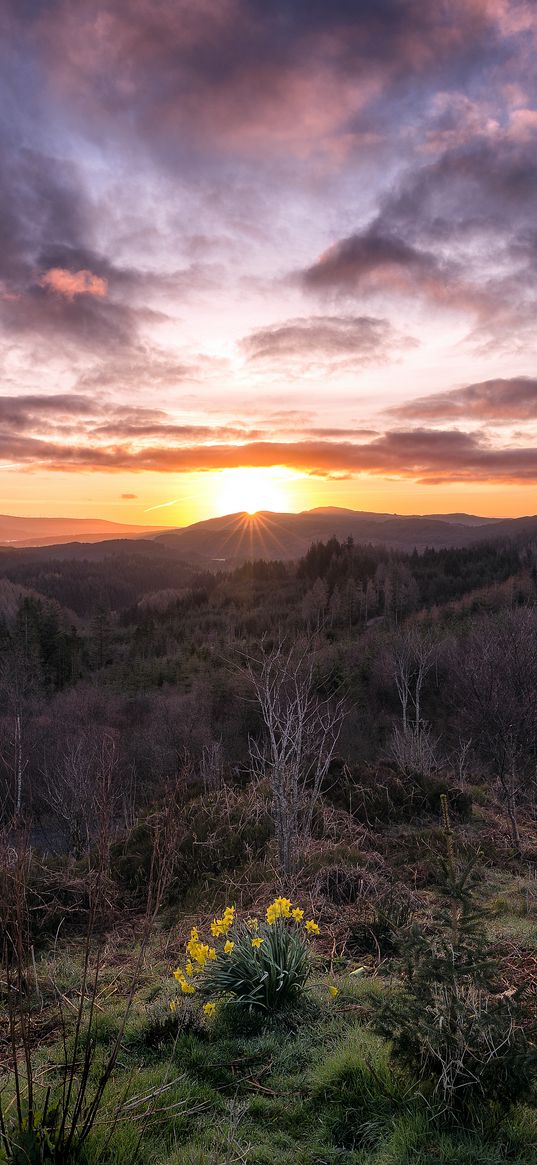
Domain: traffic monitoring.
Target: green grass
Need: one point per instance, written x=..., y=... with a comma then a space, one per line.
x=311, y=1086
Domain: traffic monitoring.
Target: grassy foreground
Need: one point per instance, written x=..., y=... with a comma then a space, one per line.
x=314, y=1086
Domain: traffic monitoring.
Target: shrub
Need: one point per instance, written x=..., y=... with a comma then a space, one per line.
x=378, y=795
x=451, y=1023
x=217, y=835
x=162, y=1024
x=260, y=966
x=378, y=932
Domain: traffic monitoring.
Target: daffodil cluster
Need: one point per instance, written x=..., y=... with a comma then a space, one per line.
x=256, y=962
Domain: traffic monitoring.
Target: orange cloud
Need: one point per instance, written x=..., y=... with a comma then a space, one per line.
x=71, y=283
x=427, y=456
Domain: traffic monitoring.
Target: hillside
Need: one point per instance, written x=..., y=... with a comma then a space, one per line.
x=235, y=538
x=135, y=773
x=29, y=531
x=239, y=537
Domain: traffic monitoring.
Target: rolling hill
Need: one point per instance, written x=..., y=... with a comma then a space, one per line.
x=28, y=531
x=241, y=536
x=234, y=538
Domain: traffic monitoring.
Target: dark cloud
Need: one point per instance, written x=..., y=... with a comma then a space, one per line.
x=422, y=455
x=22, y=412
x=500, y=400
x=252, y=75
x=374, y=261
x=53, y=285
x=437, y=230
x=484, y=186
x=326, y=342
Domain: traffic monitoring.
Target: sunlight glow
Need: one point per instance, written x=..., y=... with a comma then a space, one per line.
x=250, y=490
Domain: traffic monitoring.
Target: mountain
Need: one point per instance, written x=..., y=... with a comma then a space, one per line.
x=375, y=516
x=24, y=531
x=236, y=537
x=233, y=538
x=463, y=519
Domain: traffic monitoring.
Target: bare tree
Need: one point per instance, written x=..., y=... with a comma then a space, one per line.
x=414, y=751
x=212, y=766
x=83, y=791
x=301, y=732
x=18, y=686
x=496, y=684
x=412, y=658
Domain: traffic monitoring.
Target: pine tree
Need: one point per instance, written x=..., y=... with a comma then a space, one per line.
x=452, y=1024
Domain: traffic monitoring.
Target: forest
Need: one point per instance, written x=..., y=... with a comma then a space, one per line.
x=327, y=769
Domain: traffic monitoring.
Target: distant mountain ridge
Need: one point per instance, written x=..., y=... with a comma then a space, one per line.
x=233, y=538
x=28, y=531
x=237, y=537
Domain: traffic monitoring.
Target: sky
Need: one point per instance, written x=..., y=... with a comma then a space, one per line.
x=267, y=254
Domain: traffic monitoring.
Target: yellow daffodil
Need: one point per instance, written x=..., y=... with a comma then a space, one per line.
x=209, y=1008
x=280, y=908
x=333, y=991
x=186, y=988
x=173, y=1005
x=297, y=914
x=200, y=952
x=256, y=943
x=312, y=927
x=252, y=923
x=220, y=926
x=228, y=947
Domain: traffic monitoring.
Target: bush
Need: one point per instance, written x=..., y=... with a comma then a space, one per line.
x=451, y=1024
x=378, y=795
x=379, y=931
x=260, y=966
x=218, y=835
x=162, y=1023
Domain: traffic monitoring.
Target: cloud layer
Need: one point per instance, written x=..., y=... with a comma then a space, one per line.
x=239, y=233
x=72, y=433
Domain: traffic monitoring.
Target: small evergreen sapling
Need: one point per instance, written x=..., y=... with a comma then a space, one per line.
x=452, y=1024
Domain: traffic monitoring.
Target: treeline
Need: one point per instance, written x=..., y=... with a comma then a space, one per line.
x=436, y=655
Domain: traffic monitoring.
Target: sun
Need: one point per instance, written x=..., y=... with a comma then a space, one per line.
x=250, y=490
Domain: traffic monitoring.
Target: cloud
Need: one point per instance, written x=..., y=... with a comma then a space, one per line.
x=325, y=342
x=421, y=455
x=97, y=421
x=136, y=134
x=457, y=233
x=499, y=400
x=57, y=291
x=141, y=368
x=371, y=259
x=25, y=411
x=232, y=68
x=72, y=283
